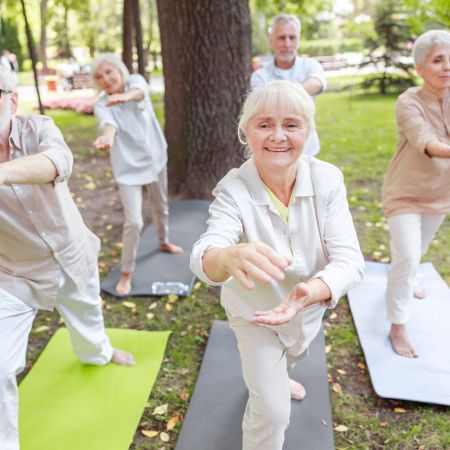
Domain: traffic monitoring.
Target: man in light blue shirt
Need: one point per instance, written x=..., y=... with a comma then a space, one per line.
x=286, y=65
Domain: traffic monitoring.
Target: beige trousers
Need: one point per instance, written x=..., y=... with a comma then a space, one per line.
x=411, y=235
x=131, y=197
x=265, y=366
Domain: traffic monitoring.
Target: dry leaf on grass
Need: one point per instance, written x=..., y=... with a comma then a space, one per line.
x=150, y=433
x=168, y=307
x=172, y=298
x=164, y=437
x=129, y=304
x=160, y=410
x=150, y=316
x=41, y=328
x=341, y=428
x=400, y=410
x=172, y=423
x=337, y=388
x=327, y=348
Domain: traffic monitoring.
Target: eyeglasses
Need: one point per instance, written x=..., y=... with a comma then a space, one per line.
x=4, y=91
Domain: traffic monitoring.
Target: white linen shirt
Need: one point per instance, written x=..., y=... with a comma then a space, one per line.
x=139, y=152
x=302, y=69
x=319, y=236
x=41, y=229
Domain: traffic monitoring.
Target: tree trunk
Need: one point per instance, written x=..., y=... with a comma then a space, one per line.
x=206, y=49
x=138, y=37
x=43, y=40
x=127, y=36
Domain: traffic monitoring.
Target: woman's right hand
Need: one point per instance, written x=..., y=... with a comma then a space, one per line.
x=103, y=142
x=246, y=262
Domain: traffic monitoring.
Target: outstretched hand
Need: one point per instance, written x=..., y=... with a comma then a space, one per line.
x=116, y=99
x=288, y=308
x=103, y=142
x=255, y=260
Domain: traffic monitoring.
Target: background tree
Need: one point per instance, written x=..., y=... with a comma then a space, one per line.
x=43, y=39
x=206, y=49
x=390, y=51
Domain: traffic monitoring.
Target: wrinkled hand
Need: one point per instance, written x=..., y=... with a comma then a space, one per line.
x=115, y=99
x=103, y=143
x=255, y=260
x=288, y=308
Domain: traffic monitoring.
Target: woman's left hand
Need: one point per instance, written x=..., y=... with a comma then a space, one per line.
x=288, y=308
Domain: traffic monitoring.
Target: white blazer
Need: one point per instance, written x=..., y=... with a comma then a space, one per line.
x=319, y=236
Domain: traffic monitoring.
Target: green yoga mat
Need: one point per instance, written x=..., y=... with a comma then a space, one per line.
x=65, y=404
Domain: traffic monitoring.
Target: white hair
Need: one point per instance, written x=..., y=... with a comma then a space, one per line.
x=272, y=96
x=286, y=18
x=109, y=58
x=426, y=41
x=7, y=79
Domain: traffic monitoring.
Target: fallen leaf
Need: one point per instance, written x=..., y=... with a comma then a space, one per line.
x=361, y=366
x=41, y=328
x=330, y=378
x=400, y=410
x=333, y=316
x=184, y=395
x=91, y=186
x=150, y=433
x=197, y=285
x=342, y=372
x=129, y=304
x=337, y=388
x=160, y=410
x=341, y=428
x=327, y=348
x=172, y=298
x=150, y=316
x=324, y=423
x=168, y=307
x=153, y=305
x=383, y=424
x=164, y=437
x=172, y=423
x=102, y=265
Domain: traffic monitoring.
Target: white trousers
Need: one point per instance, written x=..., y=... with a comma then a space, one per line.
x=83, y=317
x=265, y=367
x=411, y=235
x=131, y=197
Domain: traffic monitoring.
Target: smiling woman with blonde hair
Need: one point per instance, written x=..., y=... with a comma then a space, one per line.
x=281, y=243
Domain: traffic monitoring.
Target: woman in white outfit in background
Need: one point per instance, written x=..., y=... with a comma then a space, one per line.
x=138, y=152
x=281, y=243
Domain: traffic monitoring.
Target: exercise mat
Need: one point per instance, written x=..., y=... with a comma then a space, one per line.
x=69, y=405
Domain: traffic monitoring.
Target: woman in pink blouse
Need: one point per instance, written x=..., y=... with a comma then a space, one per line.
x=416, y=194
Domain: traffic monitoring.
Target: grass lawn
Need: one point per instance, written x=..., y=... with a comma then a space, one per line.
x=358, y=135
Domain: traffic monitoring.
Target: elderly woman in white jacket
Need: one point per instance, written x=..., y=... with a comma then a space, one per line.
x=282, y=245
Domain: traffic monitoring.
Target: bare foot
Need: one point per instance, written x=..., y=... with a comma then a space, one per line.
x=297, y=390
x=122, y=358
x=400, y=341
x=123, y=287
x=419, y=292
x=171, y=248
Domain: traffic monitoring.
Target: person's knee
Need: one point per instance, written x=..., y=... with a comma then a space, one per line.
x=134, y=225
x=274, y=411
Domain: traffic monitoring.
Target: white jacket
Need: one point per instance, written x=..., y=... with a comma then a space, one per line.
x=320, y=236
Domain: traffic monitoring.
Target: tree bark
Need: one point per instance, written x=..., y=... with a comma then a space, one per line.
x=127, y=36
x=206, y=50
x=43, y=40
x=138, y=37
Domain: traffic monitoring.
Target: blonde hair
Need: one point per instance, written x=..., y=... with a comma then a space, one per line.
x=7, y=79
x=272, y=96
x=109, y=58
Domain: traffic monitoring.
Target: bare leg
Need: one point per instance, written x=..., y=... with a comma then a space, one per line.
x=297, y=390
x=400, y=341
x=123, y=287
x=122, y=358
x=171, y=248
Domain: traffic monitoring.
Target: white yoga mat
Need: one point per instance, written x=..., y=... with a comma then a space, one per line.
x=423, y=379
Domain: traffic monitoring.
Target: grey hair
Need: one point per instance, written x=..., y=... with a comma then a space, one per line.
x=426, y=41
x=286, y=18
x=109, y=58
x=7, y=79
x=272, y=96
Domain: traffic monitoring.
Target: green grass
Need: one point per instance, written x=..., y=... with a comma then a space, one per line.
x=357, y=134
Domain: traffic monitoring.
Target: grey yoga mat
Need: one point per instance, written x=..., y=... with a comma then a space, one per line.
x=423, y=379
x=159, y=273
x=214, y=417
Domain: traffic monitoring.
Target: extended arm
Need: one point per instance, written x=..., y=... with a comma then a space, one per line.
x=33, y=169
x=133, y=94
